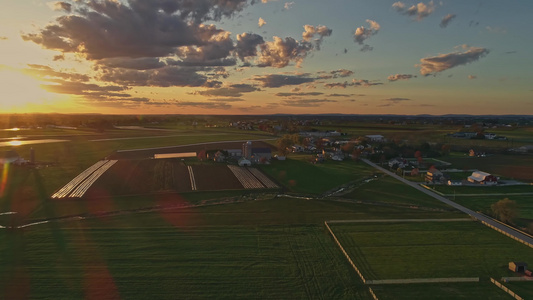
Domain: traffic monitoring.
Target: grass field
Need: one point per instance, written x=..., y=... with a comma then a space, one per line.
x=128, y=261
x=389, y=190
x=523, y=289
x=274, y=249
x=298, y=175
x=429, y=250
x=444, y=291
x=481, y=189
x=483, y=203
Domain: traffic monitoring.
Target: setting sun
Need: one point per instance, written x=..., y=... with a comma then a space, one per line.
x=19, y=91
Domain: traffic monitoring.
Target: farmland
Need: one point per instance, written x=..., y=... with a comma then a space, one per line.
x=429, y=250
x=388, y=190
x=173, y=228
x=511, y=166
x=298, y=175
x=444, y=291
x=483, y=189
x=275, y=248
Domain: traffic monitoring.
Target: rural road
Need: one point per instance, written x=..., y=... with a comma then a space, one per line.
x=516, y=234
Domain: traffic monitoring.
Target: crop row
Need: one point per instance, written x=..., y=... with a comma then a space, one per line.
x=246, y=178
x=193, y=180
x=86, y=184
x=263, y=178
x=67, y=188
x=81, y=183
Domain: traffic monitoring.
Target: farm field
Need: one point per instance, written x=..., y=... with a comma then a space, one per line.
x=481, y=189
x=298, y=175
x=483, y=203
x=444, y=291
x=273, y=249
x=163, y=261
x=518, y=167
x=523, y=289
x=131, y=177
x=429, y=250
x=389, y=190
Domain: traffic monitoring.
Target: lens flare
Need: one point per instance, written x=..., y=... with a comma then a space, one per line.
x=5, y=175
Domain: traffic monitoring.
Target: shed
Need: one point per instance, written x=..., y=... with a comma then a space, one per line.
x=518, y=267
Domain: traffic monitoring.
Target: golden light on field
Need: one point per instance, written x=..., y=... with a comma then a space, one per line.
x=18, y=91
x=15, y=143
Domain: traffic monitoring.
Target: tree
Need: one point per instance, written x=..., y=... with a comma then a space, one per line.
x=284, y=143
x=445, y=149
x=505, y=210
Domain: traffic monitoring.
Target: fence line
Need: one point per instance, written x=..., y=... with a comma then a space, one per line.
x=400, y=220
x=423, y=280
x=372, y=293
x=505, y=289
x=345, y=253
x=508, y=279
x=505, y=233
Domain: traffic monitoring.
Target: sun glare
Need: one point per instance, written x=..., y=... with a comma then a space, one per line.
x=15, y=143
x=17, y=91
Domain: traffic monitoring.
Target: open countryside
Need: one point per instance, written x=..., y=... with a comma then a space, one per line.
x=244, y=212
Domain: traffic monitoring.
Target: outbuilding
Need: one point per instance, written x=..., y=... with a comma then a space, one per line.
x=518, y=267
x=482, y=178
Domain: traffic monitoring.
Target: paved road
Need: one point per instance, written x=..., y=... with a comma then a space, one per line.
x=516, y=234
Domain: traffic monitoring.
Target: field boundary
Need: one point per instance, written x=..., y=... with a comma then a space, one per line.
x=507, y=234
x=508, y=279
x=506, y=289
x=423, y=280
x=400, y=220
x=498, y=221
x=397, y=281
x=345, y=253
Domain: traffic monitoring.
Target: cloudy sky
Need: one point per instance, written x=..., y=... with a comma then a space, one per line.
x=266, y=56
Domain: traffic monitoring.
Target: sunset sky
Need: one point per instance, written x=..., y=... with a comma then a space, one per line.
x=266, y=56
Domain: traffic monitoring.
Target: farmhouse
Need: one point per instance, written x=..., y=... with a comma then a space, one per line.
x=399, y=162
x=482, y=178
x=518, y=267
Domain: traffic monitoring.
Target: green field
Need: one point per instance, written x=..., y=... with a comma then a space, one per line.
x=389, y=190
x=523, y=289
x=298, y=175
x=429, y=250
x=275, y=249
x=450, y=190
x=483, y=203
x=168, y=262
x=444, y=291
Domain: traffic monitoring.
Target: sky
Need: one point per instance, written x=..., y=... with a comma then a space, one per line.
x=266, y=57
